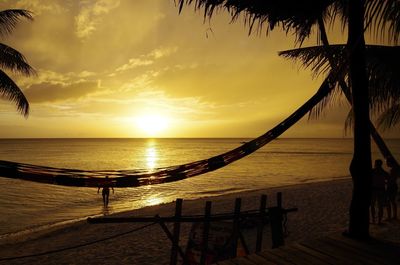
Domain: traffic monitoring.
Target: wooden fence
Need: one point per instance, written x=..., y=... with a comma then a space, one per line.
x=276, y=216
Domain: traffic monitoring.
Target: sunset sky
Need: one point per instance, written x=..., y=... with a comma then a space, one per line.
x=109, y=68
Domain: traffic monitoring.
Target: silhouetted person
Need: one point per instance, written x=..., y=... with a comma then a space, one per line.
x=379, y=178
x=106, y=185
x=391, y=190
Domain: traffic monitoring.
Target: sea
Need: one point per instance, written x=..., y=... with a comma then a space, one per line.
x=27, y=206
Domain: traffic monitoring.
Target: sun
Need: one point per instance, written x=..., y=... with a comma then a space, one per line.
x=152, y=125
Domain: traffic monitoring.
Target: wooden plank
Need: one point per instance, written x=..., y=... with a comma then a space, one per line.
x=288, y=255
x=322, y=251
x=275, y=259
x=326, y=259
x=298, y=256
x=388, y=251
x=358, y=253
x=257, y=259
x=243, y=261
x=342, y=257
x=346, y=252
x=226, y=262
x=332, y=251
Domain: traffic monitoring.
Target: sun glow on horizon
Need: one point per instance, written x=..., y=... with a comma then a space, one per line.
x=152, y=125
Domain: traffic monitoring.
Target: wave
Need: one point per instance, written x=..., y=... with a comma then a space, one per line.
x=41, y=228
x=220, y=191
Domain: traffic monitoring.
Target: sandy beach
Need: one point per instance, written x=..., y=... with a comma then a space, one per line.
x=322, y=210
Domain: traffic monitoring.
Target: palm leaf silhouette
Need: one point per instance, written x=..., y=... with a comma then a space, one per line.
x=12, y=60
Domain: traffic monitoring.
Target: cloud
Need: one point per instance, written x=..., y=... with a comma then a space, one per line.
x=162, y=52
x=134, y=62
x=39, y=6
x=145, y=60
x=91, y=14
x=137, y=83
x=52, y=92
x=48, y=76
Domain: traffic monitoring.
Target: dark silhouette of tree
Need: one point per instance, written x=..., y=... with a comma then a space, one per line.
x=382, y=19
x=12, y=60
x=383, y=76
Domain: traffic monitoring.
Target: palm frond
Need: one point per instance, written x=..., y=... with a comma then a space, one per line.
x=315, y=59
x=385, y=19
x=382, y=16
x=299, y=16
x=9, y=19
x=13, y=60
x=390, y=117
x=384, y=76
x=339, y=12
x=333, y=98
x=349, y=122
x=382, y=71
x=10, y=91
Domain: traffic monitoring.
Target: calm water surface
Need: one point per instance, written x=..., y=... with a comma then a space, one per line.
x=26, y=205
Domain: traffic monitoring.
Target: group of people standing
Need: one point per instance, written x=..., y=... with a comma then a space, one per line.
x=384, y=190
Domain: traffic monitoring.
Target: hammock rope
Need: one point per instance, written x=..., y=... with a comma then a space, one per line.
x=140, y=177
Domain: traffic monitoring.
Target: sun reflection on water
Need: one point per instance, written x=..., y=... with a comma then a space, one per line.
x=151, y=155
x=153, y=200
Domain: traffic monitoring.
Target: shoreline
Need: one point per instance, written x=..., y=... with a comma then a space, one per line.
x=151, y=246
x=33, y=231
x=322, y=211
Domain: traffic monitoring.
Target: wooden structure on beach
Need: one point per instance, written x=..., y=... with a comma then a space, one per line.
x=275, y=216
x=332, y=250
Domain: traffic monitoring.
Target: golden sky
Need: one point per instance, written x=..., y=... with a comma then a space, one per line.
x=123, y=68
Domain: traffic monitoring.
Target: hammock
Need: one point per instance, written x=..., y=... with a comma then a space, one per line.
x=134, y=178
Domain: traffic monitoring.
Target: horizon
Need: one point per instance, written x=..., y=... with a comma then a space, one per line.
x=155, y=138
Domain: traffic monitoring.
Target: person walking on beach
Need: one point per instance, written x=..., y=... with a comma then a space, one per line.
x=106, y=185
x=379, y=178
x=392, y=187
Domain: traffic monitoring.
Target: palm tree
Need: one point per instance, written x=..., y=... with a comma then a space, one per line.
x=12, y=60
x=301, y=16
x=383, y=76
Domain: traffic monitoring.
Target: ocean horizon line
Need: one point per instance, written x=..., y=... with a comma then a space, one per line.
x=169, y=138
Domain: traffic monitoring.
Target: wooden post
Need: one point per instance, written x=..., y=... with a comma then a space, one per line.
x=176, y=233
x=206, y=229
x=238, y=204
x=276, y=218
x=279, y=200
x=260, y=225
